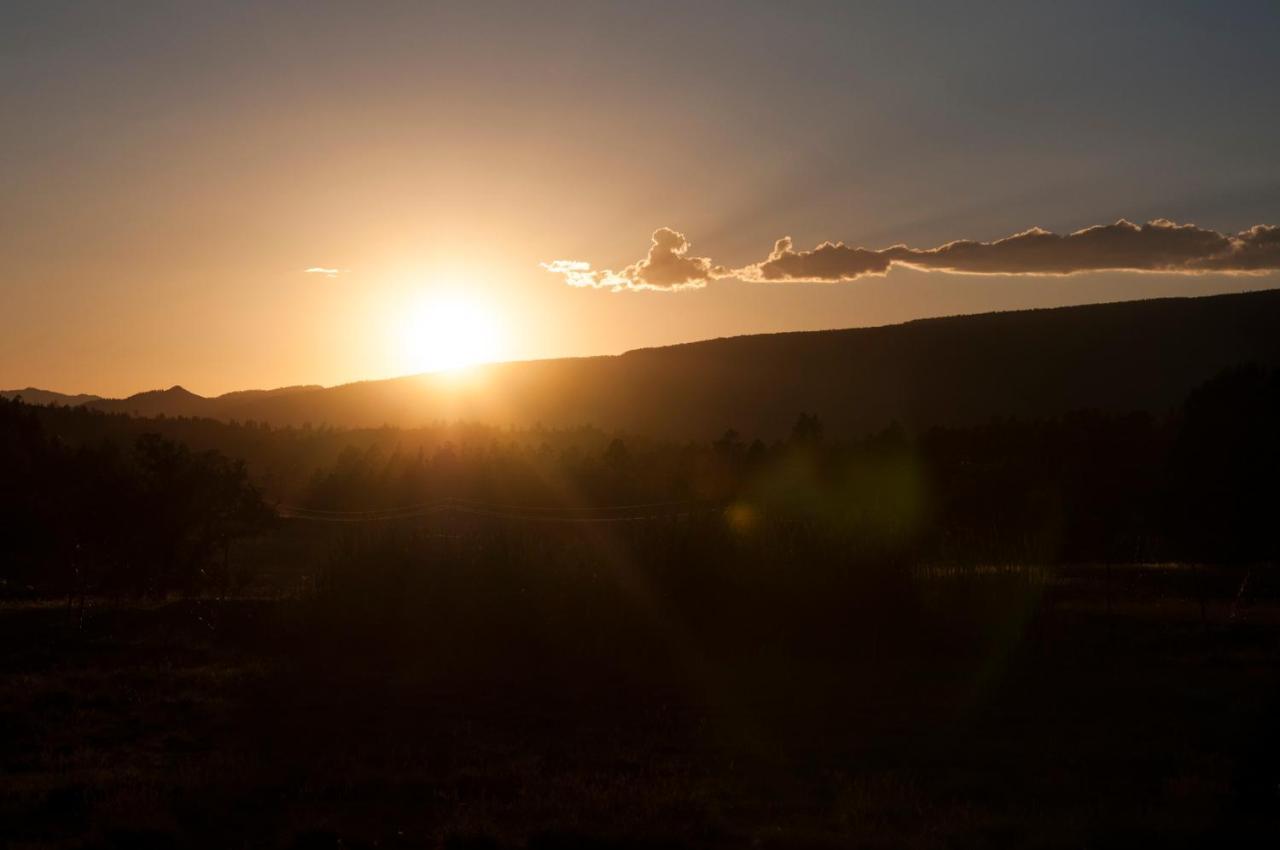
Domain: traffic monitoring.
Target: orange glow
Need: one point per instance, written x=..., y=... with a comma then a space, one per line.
x=442, y=333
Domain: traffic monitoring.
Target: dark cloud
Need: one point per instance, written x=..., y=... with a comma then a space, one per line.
x=1157, y=246
x=667, y=267
x=1254, y=250
x=829, y=261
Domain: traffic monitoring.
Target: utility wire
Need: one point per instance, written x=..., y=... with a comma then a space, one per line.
x=473, y=507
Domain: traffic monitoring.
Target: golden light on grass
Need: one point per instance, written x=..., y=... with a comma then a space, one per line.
x=443, y=333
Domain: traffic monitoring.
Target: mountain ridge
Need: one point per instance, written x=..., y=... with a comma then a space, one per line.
x=35, y=395
x=1132, y=355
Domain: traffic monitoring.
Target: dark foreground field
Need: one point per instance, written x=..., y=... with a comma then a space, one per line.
x=1072, y=708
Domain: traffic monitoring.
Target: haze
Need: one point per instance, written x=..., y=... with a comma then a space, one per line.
x=256, y=195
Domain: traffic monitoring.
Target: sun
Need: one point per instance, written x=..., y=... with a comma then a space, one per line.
x=444, y=332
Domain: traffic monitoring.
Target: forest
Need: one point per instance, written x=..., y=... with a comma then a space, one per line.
x=153, y=505
x=467, y=636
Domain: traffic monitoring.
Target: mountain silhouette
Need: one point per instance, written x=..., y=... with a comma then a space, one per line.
x=175, y=401
x=179, y=401
x=1138, y=355
x=32, y=395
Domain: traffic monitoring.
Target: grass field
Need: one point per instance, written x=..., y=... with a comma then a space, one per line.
x=1100, y=709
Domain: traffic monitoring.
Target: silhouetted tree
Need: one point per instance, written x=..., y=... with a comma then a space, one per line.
x=155, y=519
x=1223, y=499
x=807, y=430
x=616, y=455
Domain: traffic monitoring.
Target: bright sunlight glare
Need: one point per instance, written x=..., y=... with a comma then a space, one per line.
x=444, y=333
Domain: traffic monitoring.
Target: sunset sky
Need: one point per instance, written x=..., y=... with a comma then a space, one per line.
x=264, y=194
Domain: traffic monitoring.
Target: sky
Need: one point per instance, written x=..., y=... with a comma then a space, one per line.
x=170, y=172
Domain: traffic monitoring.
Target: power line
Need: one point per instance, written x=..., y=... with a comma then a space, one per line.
x=498, y=510
x=565, y=509
x=578, y=519
x=371, y=512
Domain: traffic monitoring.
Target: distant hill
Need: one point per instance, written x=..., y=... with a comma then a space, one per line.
x=31, y=395
x=179, y=401
x=175, y=401
x=1140, y=355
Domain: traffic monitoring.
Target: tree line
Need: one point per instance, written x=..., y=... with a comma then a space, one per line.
x=1198, y=484
x=153, y=505
x=147, y=517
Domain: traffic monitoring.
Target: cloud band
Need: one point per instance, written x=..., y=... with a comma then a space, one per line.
x=1157, y=246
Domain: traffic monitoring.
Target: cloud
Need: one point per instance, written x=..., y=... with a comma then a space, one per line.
x=1254, y=250
x=829, y=261
x=1160, y=245
x=1157, y=246
x=324, y=271
x=667, y=268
